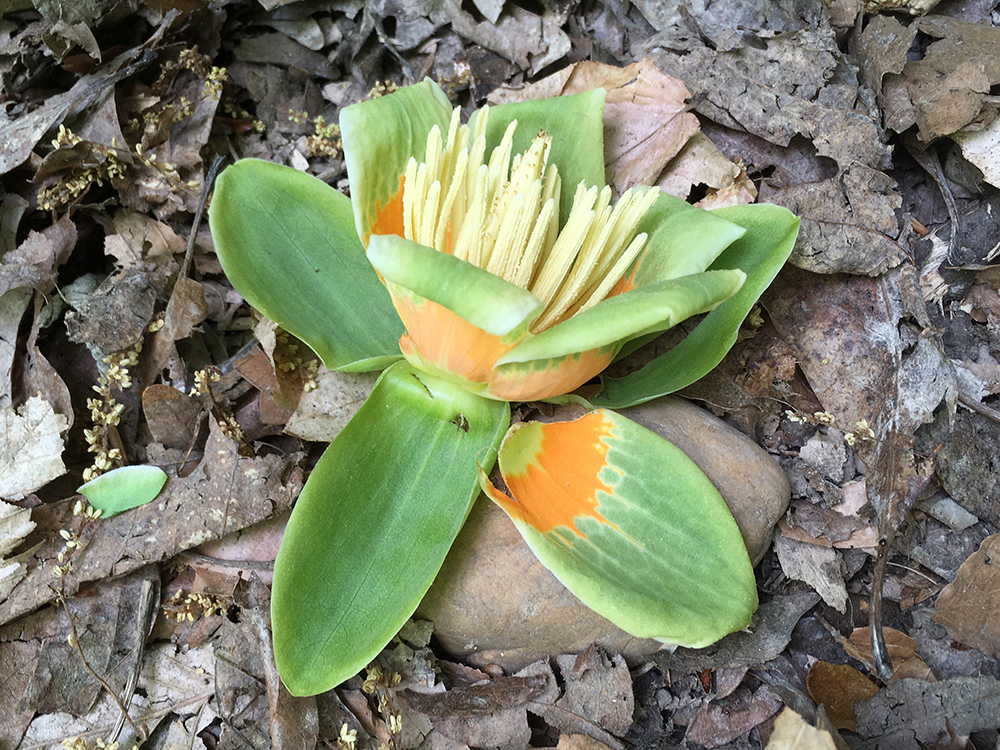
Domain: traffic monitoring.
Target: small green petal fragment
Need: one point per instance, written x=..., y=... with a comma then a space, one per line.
x=380, y=135
x=658, y=554
x=682, y=240
x=485, y=300
x=576, y=124
x=653, y=307
x=374, y=522
x=761, y=252
x=287, y=243
x=124, y=488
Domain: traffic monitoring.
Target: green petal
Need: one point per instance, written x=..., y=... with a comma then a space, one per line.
x=576, y=124
x=682, y=240
x=287, y=243
x=653, y=307
x=760, y=253
x=374, y=523
x=380, y=136
x=485, y=300
x=123, y=489
x=630, y=525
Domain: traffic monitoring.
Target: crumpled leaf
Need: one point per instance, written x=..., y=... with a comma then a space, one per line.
x=968, y=605
x=31, y=455
x=911, y=711
x=792, y=732
x=818, y=566
x=949, y=88
x=793, y=84
x=15, y=525
x=724, y=720
x=981, y=146
x=530, y=42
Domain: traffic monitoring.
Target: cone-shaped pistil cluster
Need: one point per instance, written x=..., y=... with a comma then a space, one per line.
x=503, y=216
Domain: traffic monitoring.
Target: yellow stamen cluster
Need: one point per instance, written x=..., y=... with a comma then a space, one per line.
x=189, y=607
x=503, y=216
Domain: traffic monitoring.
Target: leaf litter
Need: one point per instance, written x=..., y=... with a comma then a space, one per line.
x=868, y=372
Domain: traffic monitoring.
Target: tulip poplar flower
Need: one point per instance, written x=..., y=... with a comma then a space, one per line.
x=486, y=263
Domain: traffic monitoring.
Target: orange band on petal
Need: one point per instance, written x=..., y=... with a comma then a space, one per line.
x=389, y=218
x=559, y=377
x=448, y=342
x=560, y=482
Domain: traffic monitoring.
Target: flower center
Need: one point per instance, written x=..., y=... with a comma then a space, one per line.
x=503, y=216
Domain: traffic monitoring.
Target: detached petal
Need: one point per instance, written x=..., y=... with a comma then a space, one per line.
x=379, y=138
x=630, y=525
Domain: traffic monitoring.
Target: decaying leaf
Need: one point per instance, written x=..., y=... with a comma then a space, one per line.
x=31, y=454
x=322, y=412
x=969, y=606
x=838, y=687
x=725, y=719
x=792, y=732
x=779, y=88
x=820, y=567
x=597, y=699
x=909, y=712
x=15, y=525
x=949, y=87
x=981, y=146
x=117, y=313
x=172, y=416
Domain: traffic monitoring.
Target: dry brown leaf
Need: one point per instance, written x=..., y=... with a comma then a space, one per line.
x=792, y=732
x=969, y=606
x=31, y=454
x=818, y=566
x=838, y=687
x=909, y=712
x=531, y=42
x=15, y=525
x=172, y=416
x=902, y=650
x=117, y=313
x=949, y=88
x=723, y=720
x=322, y=413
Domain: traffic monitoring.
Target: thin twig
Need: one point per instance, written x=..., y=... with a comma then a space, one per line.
x=213, y=171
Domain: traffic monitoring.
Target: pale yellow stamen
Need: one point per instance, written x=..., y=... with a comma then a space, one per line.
x=502, y=214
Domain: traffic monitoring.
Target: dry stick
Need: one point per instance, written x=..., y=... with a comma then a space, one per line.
x=968, y=401
x=213, y=172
